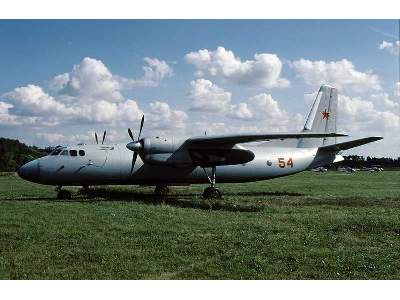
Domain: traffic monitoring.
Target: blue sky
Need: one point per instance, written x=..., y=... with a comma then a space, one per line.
x=32, y=53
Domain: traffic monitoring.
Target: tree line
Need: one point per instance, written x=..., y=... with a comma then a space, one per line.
x=357, y=161
x=14, y=154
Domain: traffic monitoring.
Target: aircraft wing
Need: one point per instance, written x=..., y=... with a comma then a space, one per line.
x=246, y=138
x=350, y=144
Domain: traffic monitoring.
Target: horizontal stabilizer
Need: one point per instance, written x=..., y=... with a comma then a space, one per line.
x=350, y=144
x=246, y=138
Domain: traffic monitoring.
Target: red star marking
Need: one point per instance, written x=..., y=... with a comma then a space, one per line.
x=325, y=114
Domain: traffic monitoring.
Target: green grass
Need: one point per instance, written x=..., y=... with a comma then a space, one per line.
x=306, y=226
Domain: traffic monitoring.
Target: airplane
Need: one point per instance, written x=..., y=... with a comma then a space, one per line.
x=319, y=170
x=347, y=169
x=163, y=162
x=373, y=169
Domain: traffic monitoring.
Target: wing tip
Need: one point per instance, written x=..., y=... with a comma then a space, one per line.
x=377, y=137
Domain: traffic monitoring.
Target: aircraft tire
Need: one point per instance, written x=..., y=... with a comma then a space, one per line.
x=64, y=195
x=161, y=190
x=212, y=193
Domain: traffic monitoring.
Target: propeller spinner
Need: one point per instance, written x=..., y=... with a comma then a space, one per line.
x=135, y=145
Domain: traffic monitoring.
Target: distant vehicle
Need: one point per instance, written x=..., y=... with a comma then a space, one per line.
x=320, y=170
x=346, y=169
x=373, y=169
x=164, y=162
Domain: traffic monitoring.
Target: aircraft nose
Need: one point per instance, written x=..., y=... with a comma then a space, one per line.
x=30, y=171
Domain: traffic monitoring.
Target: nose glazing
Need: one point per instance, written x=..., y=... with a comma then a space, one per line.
x=30, y=171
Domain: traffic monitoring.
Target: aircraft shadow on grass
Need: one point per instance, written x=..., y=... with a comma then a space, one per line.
x=186, y=200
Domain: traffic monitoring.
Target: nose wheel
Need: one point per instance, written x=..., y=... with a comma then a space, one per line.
x=212, y=191
x=63, y=194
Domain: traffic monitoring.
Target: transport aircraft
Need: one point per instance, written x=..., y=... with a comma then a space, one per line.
x=168, y=161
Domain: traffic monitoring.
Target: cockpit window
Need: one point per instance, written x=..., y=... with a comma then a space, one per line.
x=81, y=152
x=73, y=152
x=64, y=152
x=56, y=152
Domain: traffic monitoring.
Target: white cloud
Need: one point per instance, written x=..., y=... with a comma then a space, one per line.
x=264, y=71
x=51, y=137
x=31, y=100
x=260, y=107
x=357, y=115
x=59, y=82
x=90, y=80
x=208, y=97
x=112, y=136
x=242, y=111
x=5, y=117
x=396, y=91
x=341, y=74
x=199, y=128
x=129, y=111
x=154, y=72
x=392, y=47
x=109, y=112
x=384, y=100
x=161, y=116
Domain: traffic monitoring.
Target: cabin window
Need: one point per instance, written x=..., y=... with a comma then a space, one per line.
x=55, y=152
x=73, y=152
x=81, y=152
x=65, y=152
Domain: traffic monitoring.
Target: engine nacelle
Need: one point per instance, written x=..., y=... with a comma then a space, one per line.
x=158, y=151
x=157, y=145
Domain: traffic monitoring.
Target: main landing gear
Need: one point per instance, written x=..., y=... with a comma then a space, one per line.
x=161, y=190
x=211, y=191
x=62, y=194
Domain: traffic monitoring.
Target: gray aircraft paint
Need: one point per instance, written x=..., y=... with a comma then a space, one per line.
x=169, y=161
x=325, y=105
x=80, y=170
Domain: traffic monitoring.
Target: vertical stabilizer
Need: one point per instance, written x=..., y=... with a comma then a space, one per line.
x=322, y=117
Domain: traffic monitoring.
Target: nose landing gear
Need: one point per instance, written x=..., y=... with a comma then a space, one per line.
x=62, y=194
x=212, y=191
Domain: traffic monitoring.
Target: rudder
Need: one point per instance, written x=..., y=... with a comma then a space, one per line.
x=322, y=117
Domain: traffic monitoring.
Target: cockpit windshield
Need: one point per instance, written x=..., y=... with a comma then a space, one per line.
x=57, y=151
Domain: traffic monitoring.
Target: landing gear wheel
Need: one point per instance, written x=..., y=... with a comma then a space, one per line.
x=84, y=190
x=212, y=193
x=161, y=190
x=64, y=195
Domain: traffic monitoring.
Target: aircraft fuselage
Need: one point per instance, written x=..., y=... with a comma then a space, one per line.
x=111, y=164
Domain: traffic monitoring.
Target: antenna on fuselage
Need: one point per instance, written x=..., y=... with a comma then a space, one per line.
x=104, y=136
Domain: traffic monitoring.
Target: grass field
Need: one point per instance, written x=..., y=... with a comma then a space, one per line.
x=307, y=226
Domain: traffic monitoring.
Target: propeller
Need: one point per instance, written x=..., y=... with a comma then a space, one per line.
x=97, y=139
x=135, y=145
x=104, y=136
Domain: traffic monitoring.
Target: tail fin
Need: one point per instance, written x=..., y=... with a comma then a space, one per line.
x=322, y=117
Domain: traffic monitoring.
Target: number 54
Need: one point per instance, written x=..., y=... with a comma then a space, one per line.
x=282, y=164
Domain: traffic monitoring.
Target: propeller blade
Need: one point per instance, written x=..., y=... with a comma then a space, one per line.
x=141, y=127
x=134, y=157
x=95, y=136
x=104, y=136
x=130, y=134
